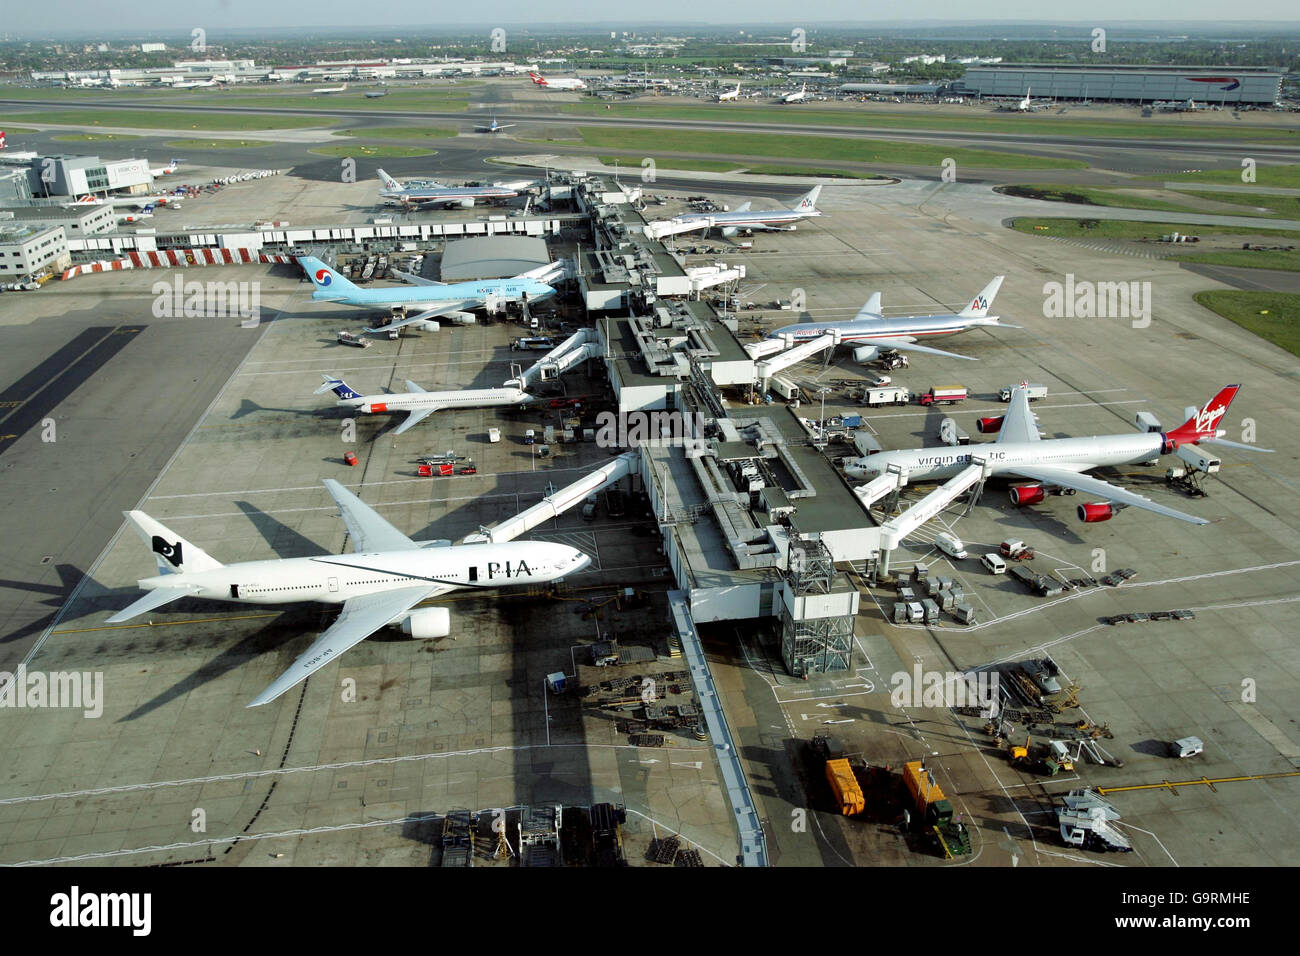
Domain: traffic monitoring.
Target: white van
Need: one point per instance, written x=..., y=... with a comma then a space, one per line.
x=494, y=435
x=950, y=545
x=1187, y=747
x=994, y=563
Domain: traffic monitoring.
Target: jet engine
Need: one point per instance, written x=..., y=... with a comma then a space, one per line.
x=730, y=231
x=868, y=353
x=1022, y=495
x=467, y=203
x=989, y=426
x=427, y=622
x=1096, y=512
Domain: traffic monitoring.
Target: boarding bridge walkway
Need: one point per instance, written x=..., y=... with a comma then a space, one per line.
x=706, y=277
x=894, y=531
x=879, y=487
x=578, y=347
x=765, y=369
x=663, y=228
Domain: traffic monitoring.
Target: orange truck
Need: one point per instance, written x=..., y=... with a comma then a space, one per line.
x=844, y=785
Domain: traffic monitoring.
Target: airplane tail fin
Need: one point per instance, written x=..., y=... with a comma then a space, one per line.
x=339, y=387
x=1204, y=423
x=871, y=310
x=980, y=305
x=323, y=277
x=173, y=553
x=388, y=181
x=808, y=201
x=537, y=78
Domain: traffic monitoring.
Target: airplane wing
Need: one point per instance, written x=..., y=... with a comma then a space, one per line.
x=414, y=419
x=871, y=310
x=361, y=617
x=444, y=309
x=414, y=279
x=152, y=599
x=1102, y=489
x=1018, y=423
x=743, y=207
x=368, y=531
x=906, y=344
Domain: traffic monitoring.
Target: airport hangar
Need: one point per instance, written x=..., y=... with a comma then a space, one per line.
x=1215, y=85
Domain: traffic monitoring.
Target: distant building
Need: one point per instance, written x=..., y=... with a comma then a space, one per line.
x=26, y=249
x=1213, y=85
x=78, y=175
x=153, y=47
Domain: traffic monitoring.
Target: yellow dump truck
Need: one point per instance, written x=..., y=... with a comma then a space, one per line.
x=844, y=785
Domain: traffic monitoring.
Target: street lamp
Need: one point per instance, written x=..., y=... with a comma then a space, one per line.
x=822, y=392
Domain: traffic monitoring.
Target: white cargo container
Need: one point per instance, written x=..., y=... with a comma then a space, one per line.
x=1035, y=392
x=783, y=387
x=1196, y=457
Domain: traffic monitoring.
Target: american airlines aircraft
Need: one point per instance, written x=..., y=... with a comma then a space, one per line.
x=742, y=217
x=566, y=84
x=421, y=403
x=433, y=299
x=876, y=334
x=729, y=95
x=379, y=584
x=1019, y=450
x=434, y=193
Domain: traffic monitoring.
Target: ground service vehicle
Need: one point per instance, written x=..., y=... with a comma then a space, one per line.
x=844, y=785
x=892, y=395
x=1033, y=392
x=943, y=395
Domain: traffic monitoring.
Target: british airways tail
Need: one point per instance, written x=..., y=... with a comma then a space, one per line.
x=325, y=279
x=173, y=553
x=808, y=201
x=339, y=387
x=980, y=305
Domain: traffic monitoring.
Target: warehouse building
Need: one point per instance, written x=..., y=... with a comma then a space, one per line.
x=76, y=221
x=27, y=249
x=492, y=257
x=1216, y=86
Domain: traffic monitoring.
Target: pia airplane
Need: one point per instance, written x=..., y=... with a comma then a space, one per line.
x=379, y=584
x=729, y=95
x=742, y=217
x=421, y=403
x=798, y=96
x=1020, y=451
x=431, y=192
x=432, y=299
x=875, y=333
x=331, y=89
x=566, y=84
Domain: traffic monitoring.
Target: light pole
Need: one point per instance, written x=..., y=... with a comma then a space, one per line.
x=822, y=392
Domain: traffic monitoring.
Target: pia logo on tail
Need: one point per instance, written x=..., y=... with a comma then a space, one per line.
x=172, y=552
x=323, y=276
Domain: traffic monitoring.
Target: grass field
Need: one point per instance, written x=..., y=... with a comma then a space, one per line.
x=784, y=146
x=1287, y=206
x=219, y=143
x=373, y=151
x=810, y=171
x=1281, y=324
x=975, y=121
x=697, y=165
x=93, y=137
x=14, y=130
x=297, y=96
x=175, y=119
x=1246, y=259
x=1282, y=177
x=1129, y=229
x=402, y=132
x=1094, y=196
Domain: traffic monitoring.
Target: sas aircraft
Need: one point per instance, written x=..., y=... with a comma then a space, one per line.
x=422, y=403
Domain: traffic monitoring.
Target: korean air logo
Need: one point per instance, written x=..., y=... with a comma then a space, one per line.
x=323, y=277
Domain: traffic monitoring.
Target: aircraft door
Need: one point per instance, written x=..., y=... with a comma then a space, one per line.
x=333, y=584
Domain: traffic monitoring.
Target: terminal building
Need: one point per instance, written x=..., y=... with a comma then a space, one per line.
x=77, y=175
x=1213, y=85
x=29, y=249
x=76, y=221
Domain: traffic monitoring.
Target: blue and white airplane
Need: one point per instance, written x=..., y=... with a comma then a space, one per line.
x=494, y=126
x=432, y=299
x=421, y=403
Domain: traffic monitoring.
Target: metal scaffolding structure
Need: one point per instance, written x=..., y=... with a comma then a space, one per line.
x=813, y=645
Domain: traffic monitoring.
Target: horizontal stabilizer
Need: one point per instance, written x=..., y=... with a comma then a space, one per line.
x=152, y=599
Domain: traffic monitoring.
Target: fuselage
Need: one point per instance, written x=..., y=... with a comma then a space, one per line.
x=1072, y=454
x=333, y=579
x=761, y=217
x=425, y=297
x=463, y=398
x=864, y=330
x=447, y=194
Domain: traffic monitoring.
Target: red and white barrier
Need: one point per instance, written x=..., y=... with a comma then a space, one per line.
x=178, y=259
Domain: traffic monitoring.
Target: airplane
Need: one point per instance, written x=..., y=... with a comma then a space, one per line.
x=379, y=584
x=145, y=213
x=166, y=170
x=566, y=84
x=435, y=193
x=375, y=94
x=729, y=95
x=421, y=403
x=193, y=84
x=899, y=333
x=1020, y=450
x=433, y=299
x=742, y=217
x=796, y=97
x=330, y=89
x=494, y=126
x=1027, y=105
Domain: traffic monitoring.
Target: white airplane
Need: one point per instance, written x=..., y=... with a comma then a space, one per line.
x=193, y=84
x=166, y=170
x=729, y=95
x=1020, y=451
x=433, y=193
x=421, y=403
x=743, y=217
x=330, y=89
x=873, y=333
x=378, y=585
x=1027, y=105
x=796, y=97
x=566, y=84
x=145, y=213
x=494, y=126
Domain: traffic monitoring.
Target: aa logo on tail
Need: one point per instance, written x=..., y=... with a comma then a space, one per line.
x=172, y=552
x=979, y=303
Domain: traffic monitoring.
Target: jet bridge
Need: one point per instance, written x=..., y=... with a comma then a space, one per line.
x=893, y=531
x=879, y=487
x=765, y=369
x=663, y=228
x=555, y=504
x=578, y=347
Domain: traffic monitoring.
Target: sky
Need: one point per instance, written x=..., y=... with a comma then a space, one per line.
x=42, y=19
